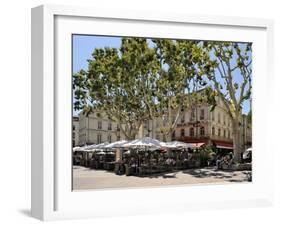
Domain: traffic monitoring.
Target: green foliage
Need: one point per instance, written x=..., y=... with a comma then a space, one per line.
x=203, y=155
x=140, y=80
x=137, y=82
x=227, y=61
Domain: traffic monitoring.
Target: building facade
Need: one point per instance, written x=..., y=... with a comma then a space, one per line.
x=96, y=128
x=202, y=125
x=75, y=131
x=196, y=124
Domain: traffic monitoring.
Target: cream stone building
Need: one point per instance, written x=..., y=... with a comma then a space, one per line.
x=96, y=128
x=75, y=131
x=198, y=124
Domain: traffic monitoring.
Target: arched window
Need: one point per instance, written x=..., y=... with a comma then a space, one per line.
x=191, y=132
x=202, y=131
x=213, y=131
x=182, y=132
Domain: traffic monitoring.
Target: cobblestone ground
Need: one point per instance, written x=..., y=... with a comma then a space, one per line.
x=85, y=178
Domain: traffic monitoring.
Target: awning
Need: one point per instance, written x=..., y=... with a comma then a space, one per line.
x=196, y=145
x=224, y=145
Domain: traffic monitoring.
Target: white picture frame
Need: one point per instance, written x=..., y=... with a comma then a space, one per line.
x=52, y=197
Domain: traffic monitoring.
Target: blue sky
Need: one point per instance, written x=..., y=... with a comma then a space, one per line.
x=83, y=46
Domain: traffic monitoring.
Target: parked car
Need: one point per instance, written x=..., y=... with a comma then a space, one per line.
x=247, y=155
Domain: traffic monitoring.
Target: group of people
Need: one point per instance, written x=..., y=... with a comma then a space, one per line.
x=156, y=160
x=224, y=161
x=161, y=160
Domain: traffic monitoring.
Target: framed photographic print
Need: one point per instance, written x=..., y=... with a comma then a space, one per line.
x=137, y=112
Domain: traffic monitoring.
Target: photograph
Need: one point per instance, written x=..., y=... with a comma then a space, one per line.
x=150, y=112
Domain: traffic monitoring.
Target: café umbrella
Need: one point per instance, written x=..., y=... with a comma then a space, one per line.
x=101, y=153
x=96, y=146
x=117, y=144
x=101, y=146
x=176, y=144
x=145, y=143
x=77, y=148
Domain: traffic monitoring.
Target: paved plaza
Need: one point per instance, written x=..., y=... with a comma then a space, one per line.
x=86, y=178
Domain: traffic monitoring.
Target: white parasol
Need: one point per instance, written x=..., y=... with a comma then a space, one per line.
x=176, y=144
x=145, y=142
x=117, y=144
x=96, y=146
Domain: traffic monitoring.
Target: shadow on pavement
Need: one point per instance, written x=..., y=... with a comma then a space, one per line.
x=201, y=173
x=207, y=173
x=169, y=175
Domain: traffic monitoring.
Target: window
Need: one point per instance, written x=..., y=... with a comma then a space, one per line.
x=182, y=132
x=224, y=120
x=213, y=131
x=219, y=118
x=99, y=125
x=109, y=126
x=109, y=138
x=213, y=116
x=191, y=132
x=202, y=114
x=228, y=134
x=192, y=116
x=219, y=132
x=202, y=131
x=182, y=118
x=224, y=133
x=99, y=140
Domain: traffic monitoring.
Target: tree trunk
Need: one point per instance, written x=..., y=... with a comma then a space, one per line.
x=237, y=146
x=168, y=137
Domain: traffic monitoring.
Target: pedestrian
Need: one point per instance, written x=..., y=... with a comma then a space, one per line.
x=218, y=162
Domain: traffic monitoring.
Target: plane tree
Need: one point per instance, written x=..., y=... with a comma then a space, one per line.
x=228, y=67
x=120, y=83
x=180, y=77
